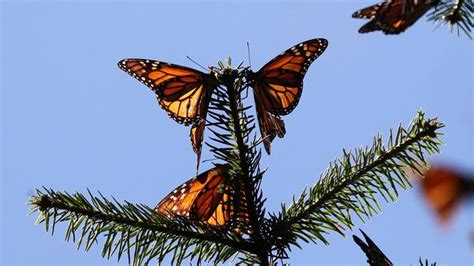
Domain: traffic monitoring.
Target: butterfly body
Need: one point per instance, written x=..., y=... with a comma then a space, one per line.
x=393, y=16
x=278, y=86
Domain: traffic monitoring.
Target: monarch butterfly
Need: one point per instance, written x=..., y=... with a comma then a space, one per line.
x=393, y=16
x=184, y=93
x=208, y=197
x=278, y=85
x=444, y=188
x=375, y=256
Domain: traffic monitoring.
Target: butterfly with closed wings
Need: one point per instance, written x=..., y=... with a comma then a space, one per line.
x=393, y=16
x=184, y=93
x=208, y=197
x=278, y=85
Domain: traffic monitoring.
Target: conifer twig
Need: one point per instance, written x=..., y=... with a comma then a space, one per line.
x=129, y=228
x=348, y=187
x=457, y=14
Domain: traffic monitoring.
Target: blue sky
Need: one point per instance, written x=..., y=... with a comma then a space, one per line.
x=72, y=120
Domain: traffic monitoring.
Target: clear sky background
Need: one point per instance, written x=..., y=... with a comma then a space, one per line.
x=72, y=120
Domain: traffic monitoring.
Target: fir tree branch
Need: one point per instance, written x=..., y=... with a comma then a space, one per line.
x=143, y=234
x=458, y=14
x=228, y=111
x=254, y=217
x=135, y=230
x=348, y=187
x=426, y=263
x=350, y=184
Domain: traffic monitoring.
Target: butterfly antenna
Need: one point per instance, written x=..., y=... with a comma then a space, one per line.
x=196, y=63
x=248, y=54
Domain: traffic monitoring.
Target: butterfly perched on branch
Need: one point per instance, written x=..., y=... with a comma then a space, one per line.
x=208, y=197
x=184, y=93
x=393, y=16
x=278, y=85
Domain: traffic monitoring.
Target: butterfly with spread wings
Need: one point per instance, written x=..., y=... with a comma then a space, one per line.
x=184, y=93
x=278, y=85
x=393, y=16
x=208, y=197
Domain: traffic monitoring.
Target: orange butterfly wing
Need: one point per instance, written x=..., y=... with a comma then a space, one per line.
x=270, y=126
x=444, y=188
x=383, y=15
x=197, y=133
x=181, y=91
x=197, y=136
x=371, y=11
x=411, y=12
x=205, y=198
x=278, y=86
x=393, y=17
x=370, y=26
x=180, y=200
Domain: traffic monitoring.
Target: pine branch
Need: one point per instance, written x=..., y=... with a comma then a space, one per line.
x=350, y=184
x=229, y=112
x=458, y=14
x=135, y=230
x=426, y=263
x=348, y=187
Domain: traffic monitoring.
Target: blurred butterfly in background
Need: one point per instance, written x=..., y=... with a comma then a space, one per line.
x=375, y=256
x=444, y=188
x=208, y=197
x=278, y=85
x=393, y=16
x=184, y=93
